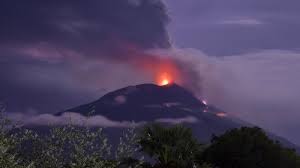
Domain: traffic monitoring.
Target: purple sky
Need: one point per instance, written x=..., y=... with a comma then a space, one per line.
x=232, y=27
x=258, y=42
x=58, y=54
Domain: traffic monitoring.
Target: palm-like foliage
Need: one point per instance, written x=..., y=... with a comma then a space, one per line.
x=169, y=146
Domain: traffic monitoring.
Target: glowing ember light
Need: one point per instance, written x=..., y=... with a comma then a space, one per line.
x=164, y=82
x=221, y=114
x=166, y=72
x=164, y=79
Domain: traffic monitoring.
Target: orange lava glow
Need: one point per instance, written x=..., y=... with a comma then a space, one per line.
x=163, y=79
x=162, y=70
x=221, y=114
x=164, y=82
x=166, y=72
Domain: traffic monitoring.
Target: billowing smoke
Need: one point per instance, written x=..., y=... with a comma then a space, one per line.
x=180, y=66
x=197, y=71
x=104, y=28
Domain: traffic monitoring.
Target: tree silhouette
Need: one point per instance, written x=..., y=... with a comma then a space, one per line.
x=170, y=146
x=249, y=148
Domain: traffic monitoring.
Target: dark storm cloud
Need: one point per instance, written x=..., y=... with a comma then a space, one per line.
x=46, y=47
x=86, y=26
x=232, y=27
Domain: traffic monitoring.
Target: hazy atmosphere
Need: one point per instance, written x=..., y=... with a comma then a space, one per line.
x=243, y=57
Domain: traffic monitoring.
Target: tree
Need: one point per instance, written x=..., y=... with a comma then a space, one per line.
x=67, y=146
x=8, y=143
x=72, y=146
x=171, y=147
x=249, y=148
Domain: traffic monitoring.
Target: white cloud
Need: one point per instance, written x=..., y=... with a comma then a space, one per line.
x=71, y=118
x=188, y=119
x=92, y=121
x=241, y=21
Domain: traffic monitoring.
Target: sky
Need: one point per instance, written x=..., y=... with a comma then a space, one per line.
x=257, y=43
x=243, y=57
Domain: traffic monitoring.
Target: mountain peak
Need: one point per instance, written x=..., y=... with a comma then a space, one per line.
x=133, y=102
x=145, y=94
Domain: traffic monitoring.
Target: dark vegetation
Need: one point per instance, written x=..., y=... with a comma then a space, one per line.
x=153, y=146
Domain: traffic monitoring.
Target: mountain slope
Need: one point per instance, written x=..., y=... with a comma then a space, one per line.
x=144, y=103
x=169, y=104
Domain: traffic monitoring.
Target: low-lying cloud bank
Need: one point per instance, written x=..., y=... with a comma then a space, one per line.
x=188, y=119
x=92, y=121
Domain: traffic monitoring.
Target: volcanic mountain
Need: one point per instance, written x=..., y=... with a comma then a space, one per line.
x=145, y=102
x=168, y=104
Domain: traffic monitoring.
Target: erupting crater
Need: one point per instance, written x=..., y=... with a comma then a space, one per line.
x=164, y=79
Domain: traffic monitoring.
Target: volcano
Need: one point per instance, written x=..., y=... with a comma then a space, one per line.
x=145, y=102
x=167, y=104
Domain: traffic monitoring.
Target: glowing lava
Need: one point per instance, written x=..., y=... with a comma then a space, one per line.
x=164, y=79
x=164, y=82
x=221, y=114
x=163, y=71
